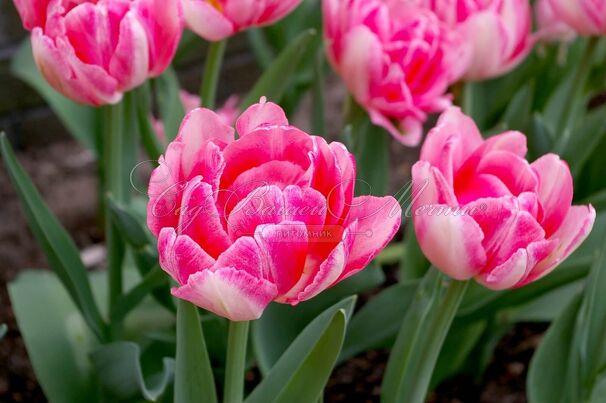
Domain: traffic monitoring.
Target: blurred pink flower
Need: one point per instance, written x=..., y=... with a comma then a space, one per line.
x=499, y=32
x=214, y=20
x=269, y=216
x=228, y=112
x=481, y=210
x=93, y=51
x=396, y=59
x=551, y=27
x=587, y=17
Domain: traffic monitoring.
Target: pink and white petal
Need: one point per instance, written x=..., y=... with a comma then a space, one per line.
x=430, y=187
x=258, y=115
x=263, y=205
x=555, y=190
x=199, y=127
x=228, y=292
x=378, y=220
x=32, y=12
x=347, y=166
x=285, y=246
x=318, y=276
x=480, y=186
x=244, y=255
x=514, y=171
x=507, y=274
x=574, y=230
x=409, y=133
x=327, y=179
x=451, y=242
x=361, y=62
x=207, y=21
x=200, y=219
x=511, y=141
x=180, y=256
x=130, y=62
x=487, y=49
x=454, y=138
x=164, y=22
x=306, y=205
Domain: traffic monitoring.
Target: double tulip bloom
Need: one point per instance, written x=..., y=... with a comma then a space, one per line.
x=214, y=20
x=586, y=17
x=482, y=211
x=93, y=51
x=396, y=59
x=269, y=216
x=499, y=32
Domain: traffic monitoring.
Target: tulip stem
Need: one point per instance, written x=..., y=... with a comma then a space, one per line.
x=212, y=69
x=420, y=339
x=236, y=362
x=574, y=103
x=468, y=101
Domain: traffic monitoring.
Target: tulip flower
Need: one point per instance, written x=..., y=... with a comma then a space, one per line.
x=270, y=216
x=94, y=51
x=215, y=20
x=396, y=59
x=499, y=32
x=481, y=211
x=587, y=17
x=551, y=27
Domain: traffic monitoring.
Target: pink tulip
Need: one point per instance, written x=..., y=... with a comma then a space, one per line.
x=396, y=59
x=481, y=210
x=215, y=20
x=93, y=51
x=498, y=30
x=269, y=216
x=551, y=27
x=587, y=17
x=228, y=112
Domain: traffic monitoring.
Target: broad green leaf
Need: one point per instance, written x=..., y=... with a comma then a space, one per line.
x=377, y=322
x=549, y=368
x=303, y=370
x=59, y=248
x=167, y=90
x=414, y=264
x=417, y=347
x=599, y=390
x=154, y=280
x=592, y=332
x=149, y=138
x=540, y=139
x=517, y=114
x=132, y=230
x=318, y=115
x=80, y=120
x=275, y=80
x=546, y=308
x=3, y=330
x=194, y=381
x=118, y=368
x=587, y=136
x=56, y=338
x=281, y=324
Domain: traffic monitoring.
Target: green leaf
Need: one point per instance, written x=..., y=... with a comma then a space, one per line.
x=599, y=390
x=155, y=279
x=549, y=368
x=587, y=136
x=517, y=114
x=3, y=330
x=59, y=248
x=414, y=264
x=133, y=232
x=275, y=80
x=303, y=370
x=424, y=328
x=318, y=115
x=56, y=338
x=149, y=138
x=281, y=324
x=80, y=120
x=377, y=322
x=194, y=381
x=168, y=96
x=118, y=368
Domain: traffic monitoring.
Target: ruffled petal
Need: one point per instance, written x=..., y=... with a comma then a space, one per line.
x=180, y=256
x=263, y=114
x=207, y=21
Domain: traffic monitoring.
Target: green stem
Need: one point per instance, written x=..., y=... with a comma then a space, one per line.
x=236, y=362
x=574, y=101
x=420, y=339
x=212, y=69
x=468, y=101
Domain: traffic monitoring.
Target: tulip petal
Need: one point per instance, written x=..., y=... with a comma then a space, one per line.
x=263, y=205
x=555, y=190
x=576, y=227
x=244, y=255
x=263, y=114
x=507, y=274
x=451, y=242
x=130, y=61
x=207, y=21
x=228, y=292
x=285, y=245
x=378, y=220
x=180, y=256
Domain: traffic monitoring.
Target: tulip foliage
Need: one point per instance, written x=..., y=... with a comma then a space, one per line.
x=246, y=249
